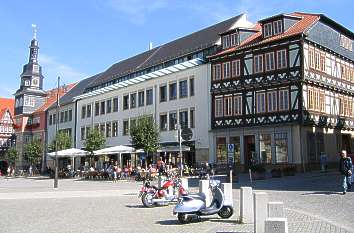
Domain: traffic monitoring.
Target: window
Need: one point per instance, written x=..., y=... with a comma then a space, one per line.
x=125, y=102
x=269, y=61
x=237, y=148
x=277, y=27
x=311, y=102
x=228, y=106
x=61, y=117
x=225, y=41
x=97, y=108
x=66, y=116
x=226, y=70
x=183, y=119
x=102, y=129
x=311, y=58
x=83, y=133
x=132, y=100
x=172, y=120
x=141, y=98
x=88, y=131
x=258, y=63
x=323, y=62
x=191, y=86
x=221, y=150
x=108, y=129
x=233, y=39
x=283, y=100
x=267, y=29
x=265, y=147
x=317, y=60
x=83, y=112
x=54, y=118
x=237, y=105
x=183, y=89
x=132, y=123
x=163, y=122
x=235, y=71
x=97, y=127
x=109, y=106
x=281, y=147
x=114, y=128
x=115, y=104
x=27, y=83
x=281, y=59
x=173, y=91
x=125, y=127
x=149, y=96
x=103, y=107
x=70, y=115
x=272, y=101
x=29, y=101
x=88, y=111
x=217, y=72
x=218, y=107
x=192, y=117
x=260, y=102
x=163, y=93
x=50, y=119
x=346, y=43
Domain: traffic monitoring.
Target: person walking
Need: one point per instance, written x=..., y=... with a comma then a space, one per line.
x=345, y=168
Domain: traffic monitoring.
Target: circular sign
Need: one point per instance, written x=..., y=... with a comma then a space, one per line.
x=186, y=134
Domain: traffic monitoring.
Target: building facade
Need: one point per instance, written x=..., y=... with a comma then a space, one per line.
x=7, y=131
x=282, y=92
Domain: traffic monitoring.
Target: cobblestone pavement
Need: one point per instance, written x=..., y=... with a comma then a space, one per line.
x=31, y=205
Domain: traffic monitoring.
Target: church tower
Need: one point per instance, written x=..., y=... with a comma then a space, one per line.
x=30, y=96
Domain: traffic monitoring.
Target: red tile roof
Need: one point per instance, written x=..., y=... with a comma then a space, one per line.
x=306, y=21
x=6, y=103
x=51, y=97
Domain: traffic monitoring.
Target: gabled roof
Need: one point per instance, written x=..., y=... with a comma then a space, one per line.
x=191, y=43
x=7, y=103
x=77, y=90
x=300, y=27
x=52, y=97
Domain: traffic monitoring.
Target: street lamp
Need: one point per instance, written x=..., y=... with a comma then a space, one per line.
x=56, y=140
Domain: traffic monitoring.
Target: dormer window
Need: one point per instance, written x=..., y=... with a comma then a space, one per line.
x=346, y=43
x=225, y=41
x=233, y=39
x=277, y=27
x=267, y=29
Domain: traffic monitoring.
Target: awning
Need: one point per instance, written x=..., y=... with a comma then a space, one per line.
x=114, y=150
x=68, y=153
x=173, y=148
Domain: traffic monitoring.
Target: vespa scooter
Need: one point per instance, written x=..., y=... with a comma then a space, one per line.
x=189, y=206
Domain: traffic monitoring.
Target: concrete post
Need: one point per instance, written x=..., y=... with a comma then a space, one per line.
x=227, y=190
x=276, y=210
x=204, y=189
x=260, y=211
x=184, y=182
x=246, y=205
x=276, y=225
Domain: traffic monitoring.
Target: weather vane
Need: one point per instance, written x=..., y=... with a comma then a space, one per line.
x=34, y=28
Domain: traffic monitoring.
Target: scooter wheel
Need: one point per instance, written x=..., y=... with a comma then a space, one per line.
x=146, y=199
x=226, y=212
x=183, y=218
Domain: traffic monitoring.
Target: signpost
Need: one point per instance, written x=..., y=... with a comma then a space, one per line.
x=230, y=158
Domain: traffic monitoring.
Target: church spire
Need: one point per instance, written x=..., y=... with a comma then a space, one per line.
x=33, y=57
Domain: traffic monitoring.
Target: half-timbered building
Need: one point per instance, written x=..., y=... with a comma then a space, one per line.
x=7, y=133
x=282, y=92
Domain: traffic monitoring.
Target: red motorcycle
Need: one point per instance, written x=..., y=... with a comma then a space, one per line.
x=170, y=190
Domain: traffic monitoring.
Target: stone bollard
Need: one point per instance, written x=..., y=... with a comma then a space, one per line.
x=260, y=211
x=246, y=205
x=227, y=190
x=276, y=225
x=204, y=189
x=276, y=210
x=184, y=182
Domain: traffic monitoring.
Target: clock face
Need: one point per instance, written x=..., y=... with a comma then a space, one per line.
x=35, y=82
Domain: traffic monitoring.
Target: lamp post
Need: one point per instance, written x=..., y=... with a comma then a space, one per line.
x=56, y=140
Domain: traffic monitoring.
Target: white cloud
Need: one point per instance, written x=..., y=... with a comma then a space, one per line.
x=136, y=10
x=52, y=68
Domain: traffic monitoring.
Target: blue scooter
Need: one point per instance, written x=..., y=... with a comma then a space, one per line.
x=189, y=206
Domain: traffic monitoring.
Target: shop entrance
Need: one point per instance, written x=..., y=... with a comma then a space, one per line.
x=346, y=143
x=249, y=151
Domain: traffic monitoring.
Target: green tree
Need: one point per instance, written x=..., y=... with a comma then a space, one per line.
x=145, y=134
x=94, y=141
x=63, y=141
x=12, y=156
x=33, y=152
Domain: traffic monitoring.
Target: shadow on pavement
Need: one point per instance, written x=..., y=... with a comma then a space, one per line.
x=322, y=193
x=135, y=206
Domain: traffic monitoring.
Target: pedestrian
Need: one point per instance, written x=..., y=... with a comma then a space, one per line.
x=30, y=170
x=345, y=168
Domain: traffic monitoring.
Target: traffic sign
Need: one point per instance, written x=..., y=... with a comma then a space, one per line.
x=231, y=148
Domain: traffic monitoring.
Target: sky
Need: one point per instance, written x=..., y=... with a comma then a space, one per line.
x=80, y=38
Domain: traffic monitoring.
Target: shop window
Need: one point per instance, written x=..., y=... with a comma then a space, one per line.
x=281, y=147
x=265, y=147
x=237, y=149
x=221, y=150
